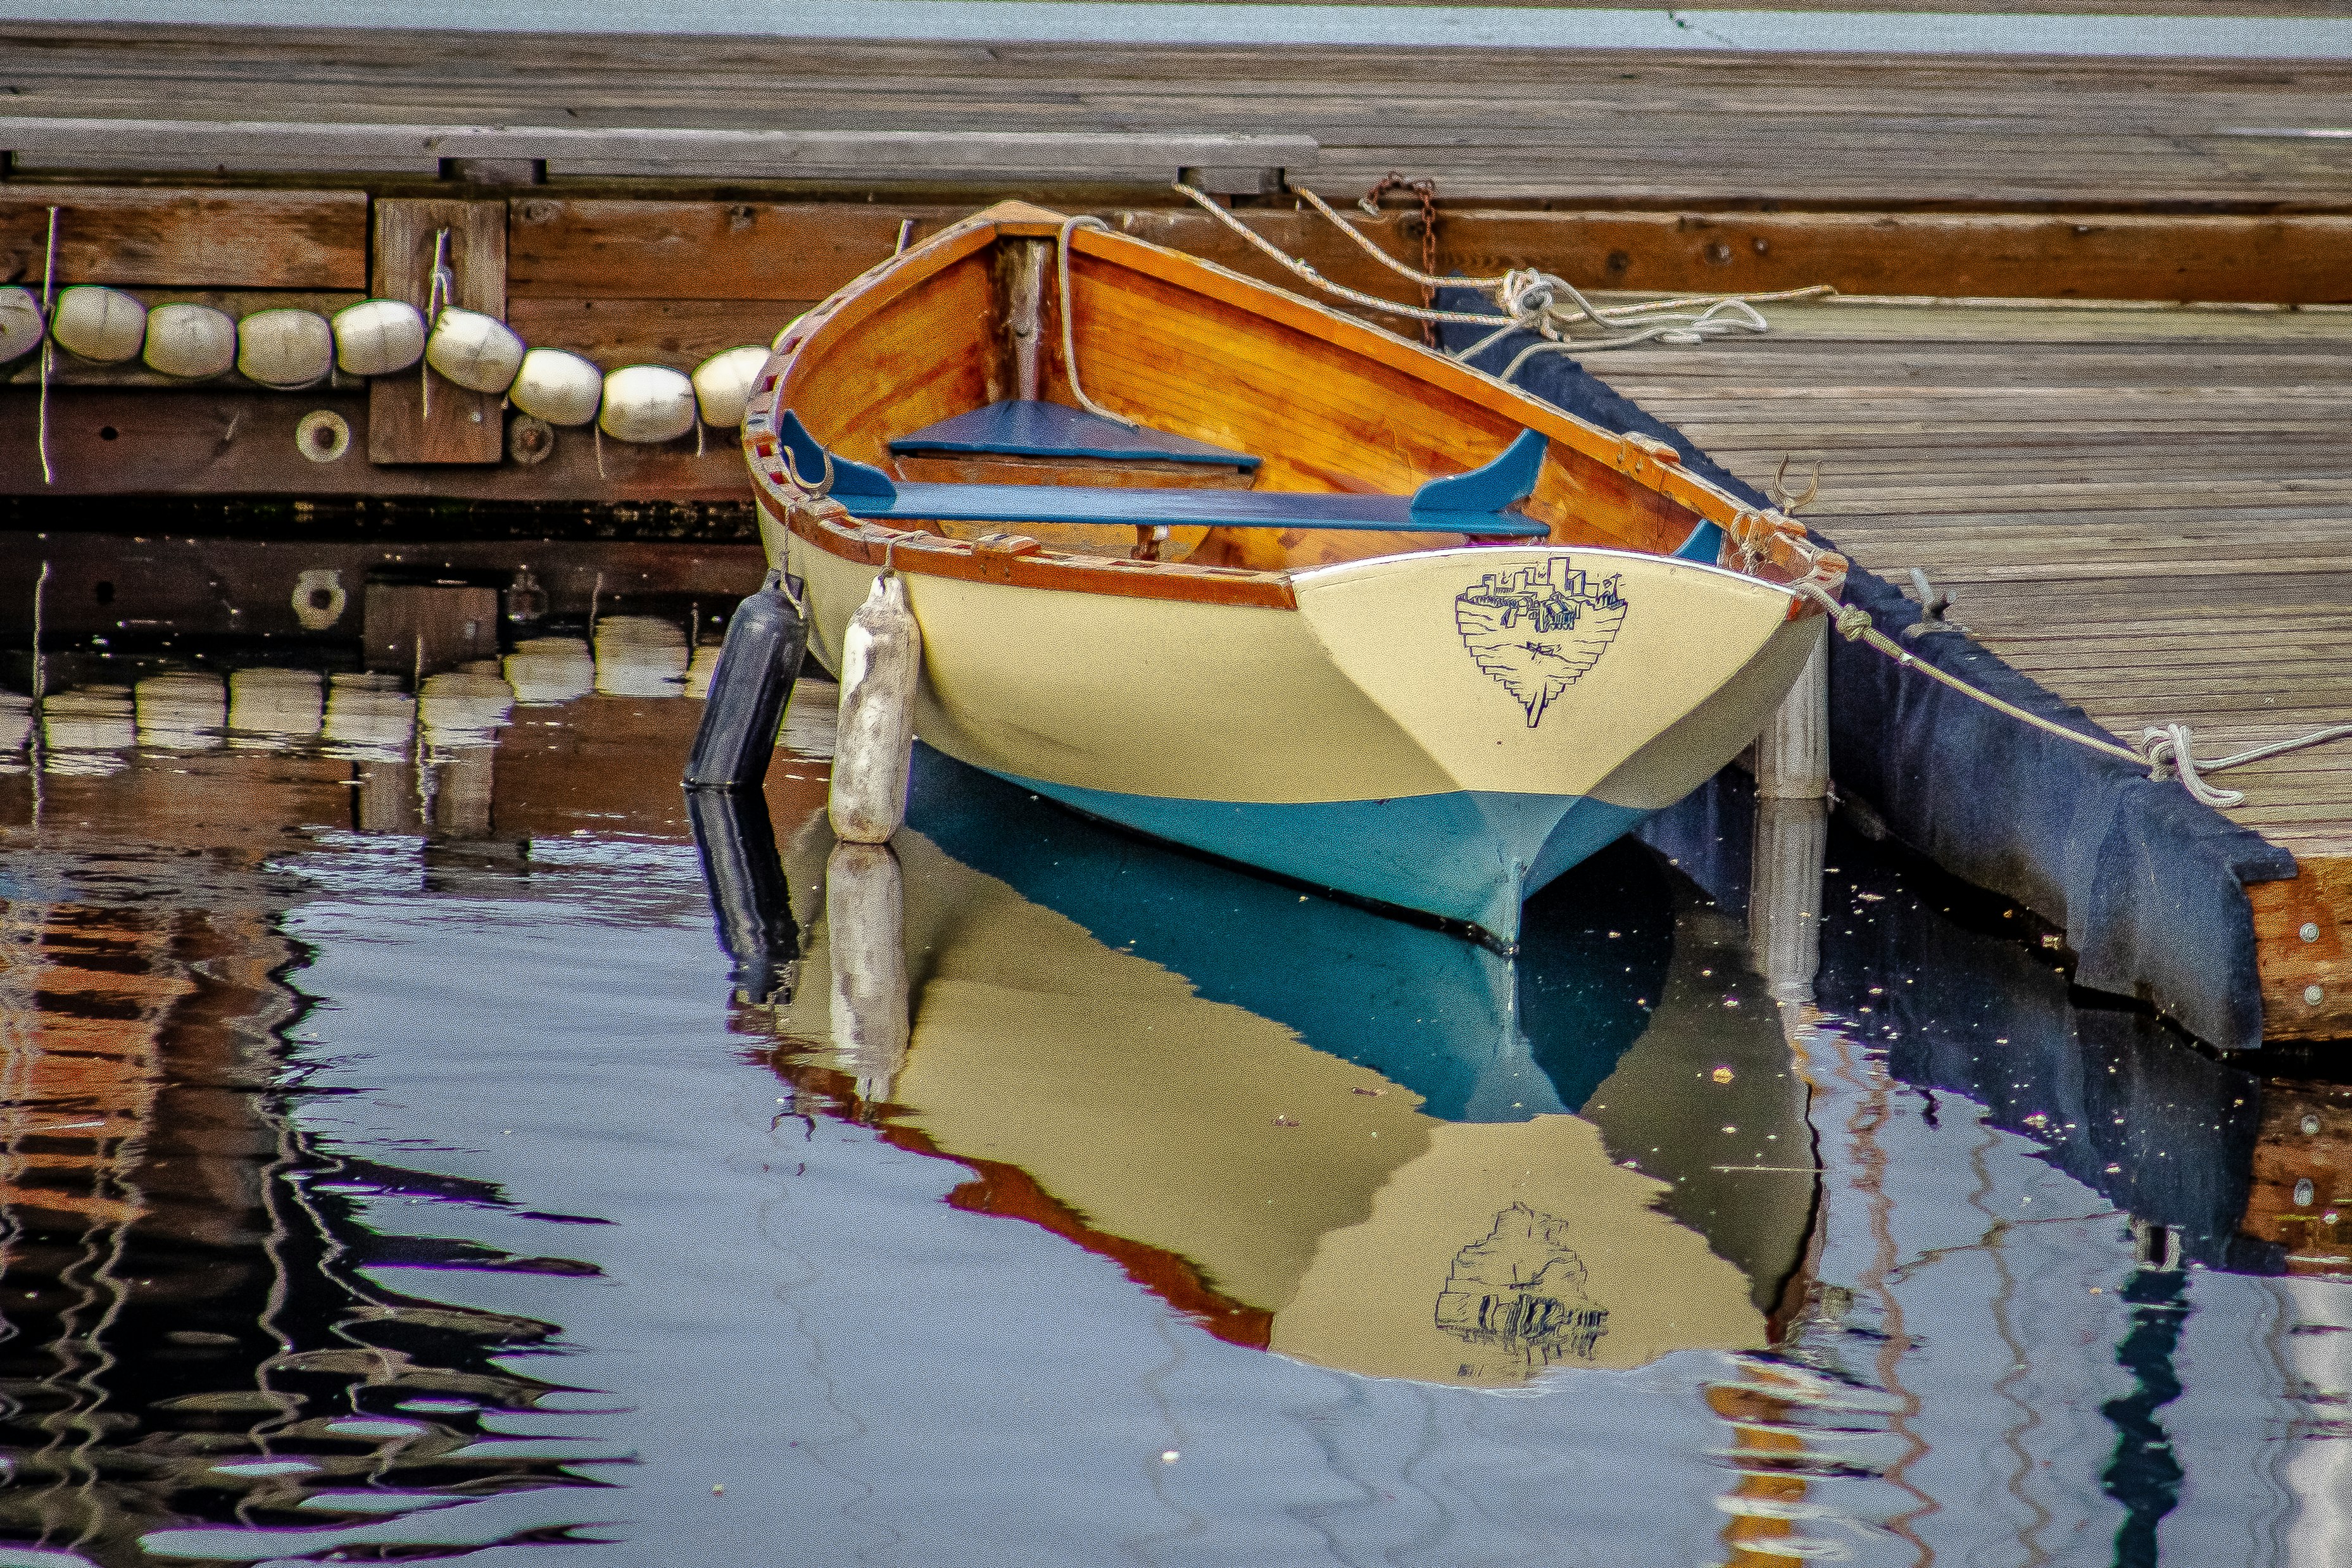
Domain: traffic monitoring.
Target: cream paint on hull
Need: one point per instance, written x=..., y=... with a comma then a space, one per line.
x=1369, y=690
x=1159, y=1116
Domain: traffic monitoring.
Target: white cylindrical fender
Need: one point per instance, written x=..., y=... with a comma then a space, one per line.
x=722, y=383
x=646, y=404
x=20, y=323
x=285, y=348
x=378, y=337
x=194, y=342
x=558, y=387
x=101, y=324
x=865, y=919
x=881, y=659
x=478, y=352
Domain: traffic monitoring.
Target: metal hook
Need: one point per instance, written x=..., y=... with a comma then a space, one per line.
x=1932, y=606
x=815, y=492
x=1777, y=488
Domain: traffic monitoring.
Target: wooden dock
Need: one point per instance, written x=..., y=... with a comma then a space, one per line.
x=2136, y=502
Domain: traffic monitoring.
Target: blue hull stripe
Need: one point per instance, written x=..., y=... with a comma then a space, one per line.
x=1472, y=855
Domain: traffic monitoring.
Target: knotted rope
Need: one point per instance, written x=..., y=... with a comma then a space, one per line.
x=2165, y=750
x=1529, y=299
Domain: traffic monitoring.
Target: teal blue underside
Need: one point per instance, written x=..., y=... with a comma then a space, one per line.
x=1471, y=856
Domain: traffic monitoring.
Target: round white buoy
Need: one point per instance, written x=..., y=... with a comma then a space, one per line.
x=285, y=348
x=722, y=383
x=20, y=323
x=881, y=657
x=646, y=404
x=378, y=337
x=865, y=920
x=194, y=342
x=558, y=387
x=97, y=323
x=478, y=352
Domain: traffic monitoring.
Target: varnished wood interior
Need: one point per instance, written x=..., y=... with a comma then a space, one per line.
x=1329, y=405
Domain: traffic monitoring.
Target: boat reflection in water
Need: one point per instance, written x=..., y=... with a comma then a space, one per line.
x=1344, y=1137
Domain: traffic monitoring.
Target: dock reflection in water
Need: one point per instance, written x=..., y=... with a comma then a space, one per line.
x=396, y=1168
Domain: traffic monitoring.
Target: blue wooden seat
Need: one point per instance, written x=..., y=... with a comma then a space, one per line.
x=1052, y=430
x=1469, y=503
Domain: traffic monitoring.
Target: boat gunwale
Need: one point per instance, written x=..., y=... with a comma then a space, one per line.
x=1762, y=539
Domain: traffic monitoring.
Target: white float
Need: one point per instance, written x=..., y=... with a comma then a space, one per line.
x=881, y=656
x=97, y=323
x=558, y=387
x=378, y=337
x=194, y=342
x=646, y=404
x=478, y=352
x=722, y=383
x=20, y=323
x=865, y=921
x=285, y=348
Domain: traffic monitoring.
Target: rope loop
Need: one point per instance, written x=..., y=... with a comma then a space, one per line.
x=1853, y=622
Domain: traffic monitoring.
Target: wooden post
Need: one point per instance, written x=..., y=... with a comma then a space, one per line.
x=1792, y=752
x=451, y=426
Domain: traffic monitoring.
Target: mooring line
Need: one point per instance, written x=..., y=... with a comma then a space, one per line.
x=2165, y=750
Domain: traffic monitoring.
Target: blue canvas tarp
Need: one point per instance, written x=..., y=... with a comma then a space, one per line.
x=2148, y=883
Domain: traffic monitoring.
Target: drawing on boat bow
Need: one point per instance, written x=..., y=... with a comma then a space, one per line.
x=1536, y=628
x=1520, y=1288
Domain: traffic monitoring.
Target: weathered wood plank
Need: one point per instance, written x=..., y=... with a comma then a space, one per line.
x=243, y=144
x=423, y=417
x=186, y=238
x=680, y=333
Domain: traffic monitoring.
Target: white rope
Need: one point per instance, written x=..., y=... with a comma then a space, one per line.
x=438, y=297
x=1336, y=290
x=1070, y=339
x=2165, y=750
x=48, y=355
x=1528, y=296
x=1507, y=282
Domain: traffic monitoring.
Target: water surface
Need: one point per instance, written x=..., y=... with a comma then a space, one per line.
x=404, y=1162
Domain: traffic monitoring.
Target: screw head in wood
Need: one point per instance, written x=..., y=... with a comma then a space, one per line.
x=2315, y=995
x=2310, y=932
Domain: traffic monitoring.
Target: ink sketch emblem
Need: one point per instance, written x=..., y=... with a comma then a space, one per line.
x=1538, y=628
x=1521, y=1290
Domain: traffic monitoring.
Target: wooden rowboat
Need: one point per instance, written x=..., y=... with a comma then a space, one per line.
x=1301, y=595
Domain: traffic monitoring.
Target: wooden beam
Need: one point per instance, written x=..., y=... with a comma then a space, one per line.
x=262, y=144
x=586, y=249
x=186, y=238
x=420, y=417
x=2299, y=943
x=216, y=441
x=680, y=333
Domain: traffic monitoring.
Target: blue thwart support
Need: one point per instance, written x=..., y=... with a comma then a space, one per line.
x=2148, y=883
